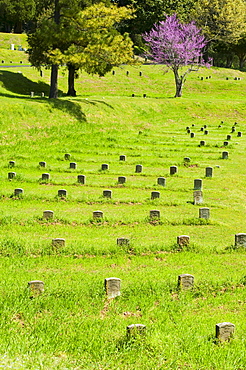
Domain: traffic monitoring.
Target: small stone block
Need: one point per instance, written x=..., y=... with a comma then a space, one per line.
x=104, y=167
x=185, y=281
x=42, y=164
x=18, y=192
x=107, y=193
x=188, y=131
x=121, y=179
x=97, y=214
x=62, y=193
x=206, y=132
x=204, y=213
x=32, y=94
x=202, y=143
x=202, y=128
x=154, y=214
x=225, y=143
x=58, y=243
x=112, y=287
x=187, y=159
x=47, y=215
x=73, y=165
x=224, y=331
x=228, y=137
x=11, y=163
x=240, y=240
x=161, y=181
x=209, y=172
x=45, y=176
x=155, y=194
x=183, y=240
x=173, y=170
x=197, y=184
x=123, y=241
x=192, y=134
x=11, y=175
x=122, y=158
x=139, y=168
x=36, y=287
x=67, y=156
x=198, y=198
x=225, y=155
x=135, y=330
x=239, y=134
x=81, y=179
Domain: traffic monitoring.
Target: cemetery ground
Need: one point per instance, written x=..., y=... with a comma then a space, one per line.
x=72, y=324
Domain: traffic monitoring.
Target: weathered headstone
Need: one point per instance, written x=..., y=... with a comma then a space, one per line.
x=209, y=172
x=18, y=192
x=121, y=179
x=32, y=94
x=144, y=95
x=134, y=331
x=112, y=287
x=48, y=215
x=192, y=134
x=97, y=214
x=45, y=176
x=123, y=241
x=122, y=157
x=155, y=194
x=73, y=165
x=185, y=281
x=202, y=128
x=107, y=193
x=186, y=159
x=11, y=175
x=81, y=179
x=240, y=240
x=62, y=193
x=183, y=240
x=173, y=170
x=58, y=243
x=205, y=126
x=154, y=214
x=198, y=184
x=239, y=134
x=42, y=164
x=202, y=143
x=139, y=168
x=225, y=143
x=233, y=129
x=42, y=95
x=228, y=137
x=204, y=213
x=197, y=196
x=140, y=74
x=225, y=155
x=161, y=181
x=67, y=156
x=36, y=287
x=105, y=167
x=224, y=331
x=11, y=164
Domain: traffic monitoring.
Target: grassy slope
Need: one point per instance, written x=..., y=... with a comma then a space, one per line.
x=72, y=325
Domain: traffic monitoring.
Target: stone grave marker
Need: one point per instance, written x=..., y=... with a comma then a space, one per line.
x=107, y=193
x=67, y=156
x=155, y=194
x=228, y=137
x=197, y=196
x=11, y=175
x=97, y=214
x=32, y=94
x=48, y=215
x=62, y=193
x=58, y=243
x=205, y=132
x=42, y=164
x=173, y=170
x=233, y=129
x=198, y=184
x=202, y=128
x=45, y=176
x=112, y=287
x=18, y=192
x=186, y=159
x=144, y=95
x=225, y=143
x=202, y=143
x=121, y=179
x=161, y=181
x=185, y=281
x=240, y=240
x=239, y=134
x=204, y=213
x=123, y=241
x=81, y=179
x=11, y=164
x=73, y=165
x=36, y=287
x=134, y=331
x=104, y=167
x=224, y=331
x=42, y=95
x=154, y=214
x=139, y=168
x=192, y=134
x=183, y=240
x=209, y=172
x=225, y=155
x=122, y=158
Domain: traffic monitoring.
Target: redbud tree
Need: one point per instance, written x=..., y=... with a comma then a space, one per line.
x=178, y=46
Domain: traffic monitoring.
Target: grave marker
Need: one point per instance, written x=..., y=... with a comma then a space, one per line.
x=122, y=158
x=105, y=167
x=121, y=179
x=173, y=170
x=42, y=164
x=197, y=184
x=123, y=241
x=204, y=213
x=240, y=240
x=192, y=134
x=81, y=179
x=11, y=164
x=202, y=143
x=73, y=165
x=161, y=181
x=107, y=193
x=209, y=172
x=32, y=94
x=58, y=243
x=112, y=287
x=228, y=137
x=183, y=240
x=139, y=168
x=197, y=196
x=225, y=155
x=97, y=214
x=239, y=134
x=48, y=215
x=36, y=287
x=18, y=192
x=154, y=214
x=67, y=156
x=45, y=176
x=225, y=143
x=134, y=331
x=11, y=175
x=155, y=194
x=224, y=331
x=206, y=132
x=62, y=193
x=185, y=281
x=187, y=159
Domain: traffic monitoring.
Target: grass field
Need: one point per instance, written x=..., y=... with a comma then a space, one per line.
x=73, y=325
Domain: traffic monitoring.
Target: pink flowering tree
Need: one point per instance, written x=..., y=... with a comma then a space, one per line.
x=178, y=46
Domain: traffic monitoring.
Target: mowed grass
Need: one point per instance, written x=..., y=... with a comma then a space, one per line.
x=72, y=325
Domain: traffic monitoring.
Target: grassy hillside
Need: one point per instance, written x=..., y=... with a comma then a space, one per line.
x=73, y=325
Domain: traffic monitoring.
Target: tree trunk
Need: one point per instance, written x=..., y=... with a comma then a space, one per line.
x=178, y=83
x=54, y=82
x=18, y=27
x=71, y=77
